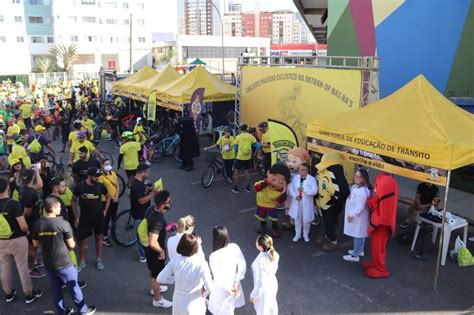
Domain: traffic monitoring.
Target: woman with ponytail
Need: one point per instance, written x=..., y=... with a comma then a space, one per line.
x=264, y=269
x=185, y=226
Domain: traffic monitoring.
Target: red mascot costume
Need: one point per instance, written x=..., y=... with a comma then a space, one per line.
x=382, y=223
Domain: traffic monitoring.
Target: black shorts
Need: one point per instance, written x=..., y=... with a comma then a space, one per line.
x=155, y=265
x=243, y=164
x=131, y=173
x=87, y=225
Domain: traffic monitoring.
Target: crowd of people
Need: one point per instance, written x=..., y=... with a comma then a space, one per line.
x=54, y=211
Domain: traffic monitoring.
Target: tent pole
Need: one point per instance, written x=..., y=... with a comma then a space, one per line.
x=440, y=246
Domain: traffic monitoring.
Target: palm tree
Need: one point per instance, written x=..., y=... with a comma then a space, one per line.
x=43, y=64
x=65, y=54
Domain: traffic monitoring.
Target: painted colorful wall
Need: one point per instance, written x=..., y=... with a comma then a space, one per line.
x=432, y=37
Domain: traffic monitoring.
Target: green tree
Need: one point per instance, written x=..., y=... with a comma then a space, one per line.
x=167, y=56
x=43, y=64
x=66, y=55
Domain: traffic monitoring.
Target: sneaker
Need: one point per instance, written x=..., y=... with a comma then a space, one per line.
x=69, y=311
x=404, y=225
x=82, y=284
x=306, y=238
x=106, y=241
x=34, y=296
x=90, y=311
x=296, y=238
x=350, y=258
x=162, y=303
x=350, y=252
x=81, y=266
x=163, y=289
x=99, y=265
x=38, y=263
x=471, y=239
x=235, y=190
x=36, y=274
x=9, y=298
x=142, y=259
x=147, y=163
x=248, y=190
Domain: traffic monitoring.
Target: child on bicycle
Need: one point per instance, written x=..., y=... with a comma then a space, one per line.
x=140, y=137
x=225, y=142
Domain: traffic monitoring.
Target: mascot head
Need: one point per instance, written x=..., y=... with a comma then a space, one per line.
x=278, y=177
x=296, y=157
x=326, y=178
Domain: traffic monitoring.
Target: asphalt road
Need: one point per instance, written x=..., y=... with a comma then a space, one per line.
x=310, y=280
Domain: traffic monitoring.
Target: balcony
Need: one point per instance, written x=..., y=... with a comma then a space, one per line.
x=314, y=13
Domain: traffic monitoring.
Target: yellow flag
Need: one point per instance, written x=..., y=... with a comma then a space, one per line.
x=158, y=185
x=151, y=109
x=282, y=139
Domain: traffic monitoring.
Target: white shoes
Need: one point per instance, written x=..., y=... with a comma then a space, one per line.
x=163, y=289
x=471, y=239
x=296, y=238
x=306, y=238
x=350, y=258
x=350, y=252
x=163, y=303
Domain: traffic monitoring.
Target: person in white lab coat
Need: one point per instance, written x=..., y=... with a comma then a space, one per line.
x=185, y=226
x=228, y=268
x=302, y=189
x=191, y=276
x=357, y=216
x=265, y=283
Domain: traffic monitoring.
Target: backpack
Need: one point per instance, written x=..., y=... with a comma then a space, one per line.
x=143, y=230
x=35, y=146
x=5, y=229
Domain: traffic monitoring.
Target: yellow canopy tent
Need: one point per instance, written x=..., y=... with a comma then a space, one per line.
x=125, y=87
x=175, y=94
x=142, y=89
x=415, y=132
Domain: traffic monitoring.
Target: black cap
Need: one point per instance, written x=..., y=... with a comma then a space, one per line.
x=83, y=149
x=94, y=172
x=263, y=124
x=27, y=175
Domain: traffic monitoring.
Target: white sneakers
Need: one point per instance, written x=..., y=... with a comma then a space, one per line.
x=306, y=238
x=163, y=289
x=162, y=303
x=298, y=237
x=350, y=252
x=350, y=258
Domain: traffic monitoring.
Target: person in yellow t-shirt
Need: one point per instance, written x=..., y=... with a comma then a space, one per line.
x=129, y=151
x=82, y=142
x=26, y=110
x=139, y=132
x=12, y=131
x=244, y=144
x=226, y=143
x=72, y=138
x=110, y=180
x=266, y=145
x=88, y=124
x=19, y=152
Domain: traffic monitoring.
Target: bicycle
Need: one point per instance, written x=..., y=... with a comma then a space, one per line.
x=124, y=229
x=166, y=147
x=215, y=166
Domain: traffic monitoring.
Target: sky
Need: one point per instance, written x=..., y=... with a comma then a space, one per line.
x=165, y=20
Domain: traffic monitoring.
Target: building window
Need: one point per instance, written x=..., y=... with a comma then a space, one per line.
x=18, y=19
x=141, y=6
x=20, y=39
x=111, y=5
x=2, y=39
x=90, y=38
x=126, y=39
x=35, y=19
x=111, y=21
x=48, y=20
x=141, y=22
x=113, y=39
x=88, y=2
x=16, y=1
x=50, y=39
x=34, y=2
x=141, y=39
x=72, y=19
x=125, y=5
x=89, y=19
x=126, y=21
x=74, y=38
x=37, y=39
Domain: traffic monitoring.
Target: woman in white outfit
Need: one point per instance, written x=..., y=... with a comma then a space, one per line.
x=191, y=276
x=185, y=226
x=228, y=268
x=302, y=189
x=265, y=283
x=356, y=219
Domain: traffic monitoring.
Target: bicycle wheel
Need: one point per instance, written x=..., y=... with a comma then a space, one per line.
x=124, y=230
x=122, y=183
x=157, y=156
x=106, y=155
x=208, y=176
x=177, y=154
x=167, y=147
x=260, y=166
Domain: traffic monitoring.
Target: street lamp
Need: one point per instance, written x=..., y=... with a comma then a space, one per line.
x=222, y=38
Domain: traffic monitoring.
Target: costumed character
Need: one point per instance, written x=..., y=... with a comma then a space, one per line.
x=296, y=157
x=271, y=192
x=382, y=223
x=333, y=191
x=188, y=143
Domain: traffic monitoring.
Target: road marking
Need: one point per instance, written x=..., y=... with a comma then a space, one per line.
x=322, y=253
x=222, y=178
x=246, y=210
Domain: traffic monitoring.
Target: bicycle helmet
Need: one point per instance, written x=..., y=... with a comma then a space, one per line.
x=81, y=134
x=127, y=135
x=19, y=139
